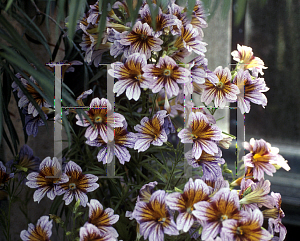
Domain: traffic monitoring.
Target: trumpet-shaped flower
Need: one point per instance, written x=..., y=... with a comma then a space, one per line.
x=245, y=57
x=154, y=218
x=224, y=205
x=42, y=230
x=166, y=74
x=78, y=185
x=249, y=228
x=130, y=76
x=90, y=232
x=102, y=219
x=141, y=40
x=191, y=40
x=45, y=181
x=222, y=91
x=4, y=177
x=263, y=158
x=250, y=91
x=194, y=191
x=210, y=163
x=103, y=124
x=202, y=134
x=150, y=132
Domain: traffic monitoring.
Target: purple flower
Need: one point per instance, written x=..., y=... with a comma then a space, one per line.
x=224, y=205
x=32, y=123
x=154, y=218
x=4, y=177
x=166, y=74
x=209, y=163
x=249, y=228
x=202, y=134
x=42, y=180
x=102, y=219
x=130, y=76
x=26, y=162
x=141, y=40
x=222, y=91
x=42, y=230
x=122, y=140
x=250, y=91
x=78, y=185
x=184, y=203
x=150, y=132
x=103, y=124
x=90, y=232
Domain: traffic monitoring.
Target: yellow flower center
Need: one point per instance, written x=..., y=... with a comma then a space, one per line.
x=167, y=72
x=143, y=36
x=224, y=217
x=189, y=209
x=98, y=119
x=239, y=231
x=72, y=186
x=161, y=220
x=220, y=85
x=138, y=77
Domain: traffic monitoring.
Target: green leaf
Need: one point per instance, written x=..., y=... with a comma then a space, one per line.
x=240, y=11
x=225, y=8
x=9, y=3
x=76, y=10
x=102, y=22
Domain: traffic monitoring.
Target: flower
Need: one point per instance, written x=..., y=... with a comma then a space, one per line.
x=146, y=192
x=198, y=17
x=162, y=20
x=210, y=163
x=102, y=123
x=202, y=134
x=4, y=177
x=44, y=180
x=24, y=101
x=90, y=232
x=258, y=194
x=191, y=40
x=25, y=162
x=250, y=90
x=275, y=215
x=78, y=185
x=263, y=158
x=244, y=56
x=141, y=40
x=130, y=76
x=222, y=206
x=102, y=219
x=122, y=140
x=220, y=92
x=194, y=191
x=150, y=132
x=32, y=123
x=42, y=230
x=249, y=228
x=154, y=218
x=166, y=74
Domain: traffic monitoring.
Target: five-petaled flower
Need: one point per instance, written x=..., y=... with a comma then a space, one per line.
x=222, y=206
x=151, y=132
x=247, y=60
x=202, y=134
x=102, y=219
x=42, y=230
x=166, y=74
x=130, y=76
x=250, y=90
x=102, y=117
x=263, y=158
x=90, y=232
x=141, y=40
x=194, y=191
x=154, y=218
x=249, y=228
x=46, y=180
x=78, y=185
x=220, y=92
